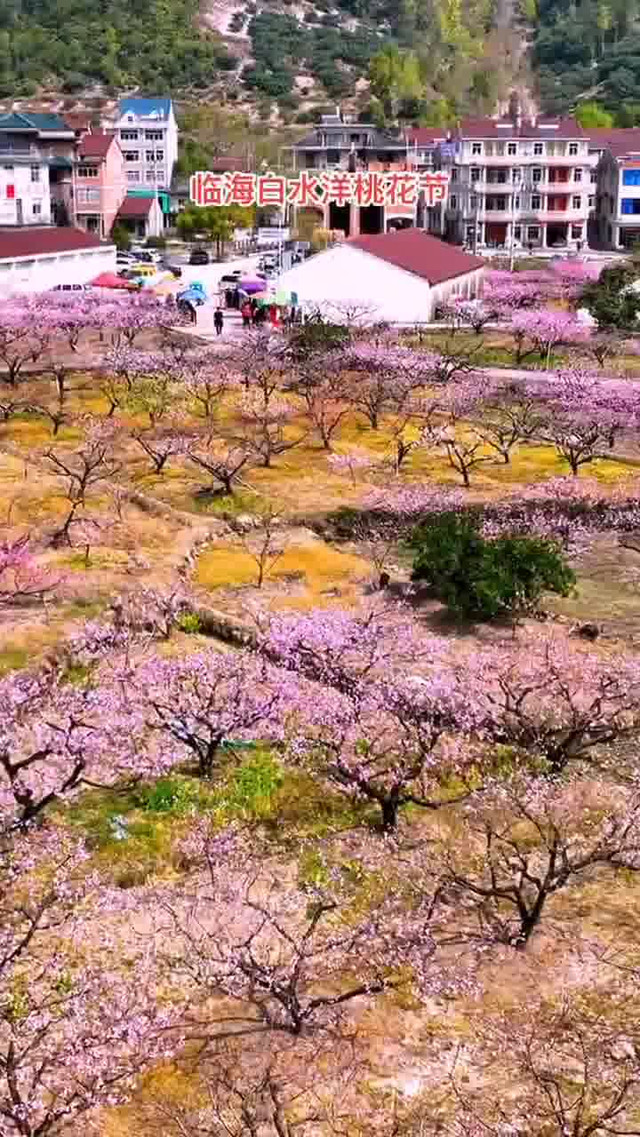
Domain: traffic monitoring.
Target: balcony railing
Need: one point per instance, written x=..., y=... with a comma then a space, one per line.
x=525, y=156
x=8, y=150
x=531, y=216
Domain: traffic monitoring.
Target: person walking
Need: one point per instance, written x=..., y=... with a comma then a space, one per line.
x=246, y=314
x=218, y=320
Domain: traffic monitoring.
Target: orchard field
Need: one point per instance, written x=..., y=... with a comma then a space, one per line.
x=320, y=692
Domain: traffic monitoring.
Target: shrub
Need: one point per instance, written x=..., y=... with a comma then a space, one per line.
x=610, y=300
x=121, y=238
x=156, y=242
x=484, y=578
x=189, y=622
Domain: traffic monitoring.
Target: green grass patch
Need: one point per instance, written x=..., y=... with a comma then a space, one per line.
x=227, y=505
x=134, y=832
x=13, y=659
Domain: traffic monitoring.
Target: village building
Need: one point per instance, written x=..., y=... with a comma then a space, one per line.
x=100, y=183
x=142, y=216
x=618, y=190
x=37, y=259
x=401, y=276
x=514, y=182
x=338, y=144
x=33, y=149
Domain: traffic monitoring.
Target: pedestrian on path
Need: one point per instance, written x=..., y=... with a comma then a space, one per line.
x=188, y=310
x=246, y=314
x=218, y=320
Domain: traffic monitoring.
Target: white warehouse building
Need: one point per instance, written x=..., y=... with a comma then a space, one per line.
x=400, y=277
x=37, y=259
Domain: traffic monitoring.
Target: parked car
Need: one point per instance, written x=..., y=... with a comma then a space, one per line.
x=231, y=277
x=175, y=270
x=199, y=257
x=71, y=288
x=138, y=271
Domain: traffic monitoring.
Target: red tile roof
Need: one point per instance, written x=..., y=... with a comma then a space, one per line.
x=135, y=206
x=419, y=253
x=77, y=120
x=501, y=128
x=28, y=242
x=619, y=140
x=95, y=145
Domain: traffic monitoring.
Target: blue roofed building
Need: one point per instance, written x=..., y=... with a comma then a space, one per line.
x=147, y=131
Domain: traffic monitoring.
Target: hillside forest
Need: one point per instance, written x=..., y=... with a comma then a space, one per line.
x=425, y=60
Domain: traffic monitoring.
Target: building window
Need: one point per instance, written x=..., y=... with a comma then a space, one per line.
x=512, y=148
x=35, y=173
x=536, y=174
x=573, y=149
x=159, y=155
x=577, y=174
x=577, y=202
x=9, y=169
x=133, y=175
x=473, y=201
x=594, y=177
x=475, y=174
x=471, y=232
x=454, y=174
x=592, y=201
x=36, y=209
x=536, y=201
x=533, y=233
x=11, y=192
x=87, y=171
x=631, y=177
x=576, y=232
x=476, y=148
x=132, y=156
x=154, y=135
x=516, y=202
x=129, y=135
x=151, y=175
x=630, y=205
x=538, y=149
x=453, y=201
x=517, y=232
x=516, y=174
x=149, y=155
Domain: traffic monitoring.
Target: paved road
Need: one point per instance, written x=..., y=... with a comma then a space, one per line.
x=209, y=275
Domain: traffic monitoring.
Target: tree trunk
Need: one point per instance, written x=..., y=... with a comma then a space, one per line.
x=389, y=807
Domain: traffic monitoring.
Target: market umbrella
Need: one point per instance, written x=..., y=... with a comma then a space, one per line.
x=110, y=280
x=251, y=286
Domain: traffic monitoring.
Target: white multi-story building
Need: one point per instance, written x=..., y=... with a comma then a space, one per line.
x=515, y=183
x=618, y=187
x=30, y=145
x=148, y=135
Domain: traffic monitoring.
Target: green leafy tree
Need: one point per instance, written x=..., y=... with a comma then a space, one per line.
x=610, y=300
x=121, y=238
x=592, y=114
x=216, y=223
x=482, y=578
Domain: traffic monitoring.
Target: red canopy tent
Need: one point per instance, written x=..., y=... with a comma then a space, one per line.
x=110, y=280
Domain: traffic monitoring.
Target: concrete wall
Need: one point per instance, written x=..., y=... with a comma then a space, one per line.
x=40, y=273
